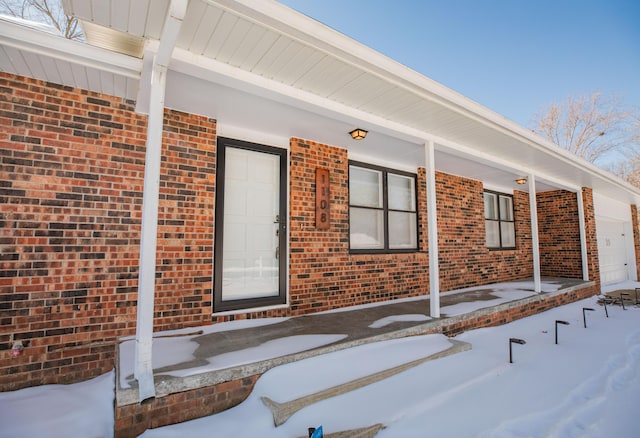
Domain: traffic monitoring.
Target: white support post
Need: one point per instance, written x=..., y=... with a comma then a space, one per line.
x=535, y=241
x=432, y=227
x=143, y=368
x=583, y=236
x=147, y=276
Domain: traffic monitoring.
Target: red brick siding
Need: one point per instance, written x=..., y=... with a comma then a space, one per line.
x=323, y=274
x=593, y=259
x=635, y=225
x=559, y=233
x=464, y=257
x=71, y=181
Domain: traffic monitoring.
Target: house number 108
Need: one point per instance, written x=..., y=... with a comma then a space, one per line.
x=322, y=199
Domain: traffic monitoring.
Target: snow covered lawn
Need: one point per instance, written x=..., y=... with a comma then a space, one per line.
x=586, y=386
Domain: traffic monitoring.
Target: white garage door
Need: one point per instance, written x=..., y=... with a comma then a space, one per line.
x=612, y=252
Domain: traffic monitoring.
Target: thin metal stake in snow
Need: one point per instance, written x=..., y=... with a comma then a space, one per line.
x=559, y=322
x=514, y=341
x=584, y=316
x=622, y=295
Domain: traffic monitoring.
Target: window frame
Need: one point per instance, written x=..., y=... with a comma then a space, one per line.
x=385, y=171
x=500, y=221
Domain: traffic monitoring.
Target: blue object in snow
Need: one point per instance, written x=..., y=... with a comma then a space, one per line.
x=317, y=433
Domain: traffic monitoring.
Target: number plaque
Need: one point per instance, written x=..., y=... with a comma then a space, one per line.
x=322, y=199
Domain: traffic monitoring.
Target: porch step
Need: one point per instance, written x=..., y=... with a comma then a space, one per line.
x=282, y=411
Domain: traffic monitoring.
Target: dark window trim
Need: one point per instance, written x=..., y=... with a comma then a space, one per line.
x=281, y=298
x=385, y=209
x=513, y=208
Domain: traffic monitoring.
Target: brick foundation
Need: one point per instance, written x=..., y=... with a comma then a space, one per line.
x=132, y=420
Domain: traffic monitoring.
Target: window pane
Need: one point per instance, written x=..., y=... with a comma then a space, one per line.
x=401, y=192
x=490, y=206
x=365, y=187
x=366, y=228
x=493, y=234
x=506, y=208
x=402, y=230
x=508, y=234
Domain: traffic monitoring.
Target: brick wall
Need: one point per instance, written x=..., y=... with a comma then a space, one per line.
x=132, y=420
x=71, y=181
x=323, y=275
x=465, y=259
x=593, y=259
x=635, y=228
x=559, y=233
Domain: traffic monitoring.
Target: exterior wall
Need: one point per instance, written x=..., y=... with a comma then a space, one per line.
x=591, y=236
x=323, y=275
x=635, y=228
x=71, y=182
x=559, y=231
x=464, y=257
x=133, y=420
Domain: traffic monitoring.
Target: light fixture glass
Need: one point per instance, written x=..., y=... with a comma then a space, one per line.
x=521, y=181
x=358, y=134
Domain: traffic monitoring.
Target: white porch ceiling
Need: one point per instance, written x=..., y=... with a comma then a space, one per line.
x=260, y=66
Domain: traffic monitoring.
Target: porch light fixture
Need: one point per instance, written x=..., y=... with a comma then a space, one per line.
x=521, y=181
x=358, y=134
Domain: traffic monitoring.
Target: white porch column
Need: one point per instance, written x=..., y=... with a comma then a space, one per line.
x=535, y=241
x=432, y=227
x=143, y=368
x=583, y=236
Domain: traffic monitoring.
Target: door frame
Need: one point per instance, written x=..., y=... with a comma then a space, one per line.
x=240, y=304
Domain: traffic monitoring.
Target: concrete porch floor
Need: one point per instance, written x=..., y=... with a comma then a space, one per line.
x=393, y=319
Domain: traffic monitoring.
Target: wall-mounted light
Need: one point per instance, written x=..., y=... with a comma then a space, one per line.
x=358, y=134
x=521, y=181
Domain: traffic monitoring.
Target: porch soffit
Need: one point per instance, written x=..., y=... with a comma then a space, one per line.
x=276, y=45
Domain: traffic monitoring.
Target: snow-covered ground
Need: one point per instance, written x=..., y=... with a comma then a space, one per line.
x=586, y=386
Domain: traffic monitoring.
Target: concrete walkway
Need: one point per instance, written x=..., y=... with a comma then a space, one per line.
x=359, y=325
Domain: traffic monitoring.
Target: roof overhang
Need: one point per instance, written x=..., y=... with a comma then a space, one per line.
x=264, y=70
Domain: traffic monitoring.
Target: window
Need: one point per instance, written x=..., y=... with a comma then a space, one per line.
x=382, y=209
x=499, y=220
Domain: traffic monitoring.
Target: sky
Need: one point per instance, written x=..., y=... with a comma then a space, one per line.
x=515, y=57
x=587, y=385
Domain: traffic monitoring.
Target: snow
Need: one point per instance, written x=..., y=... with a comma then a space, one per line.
x=586, y=386
x=80, y=410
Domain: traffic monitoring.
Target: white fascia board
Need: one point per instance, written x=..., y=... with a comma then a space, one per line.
x=41, y=43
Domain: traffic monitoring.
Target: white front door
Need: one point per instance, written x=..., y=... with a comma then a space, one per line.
x=612, y=251
x=250, y=247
